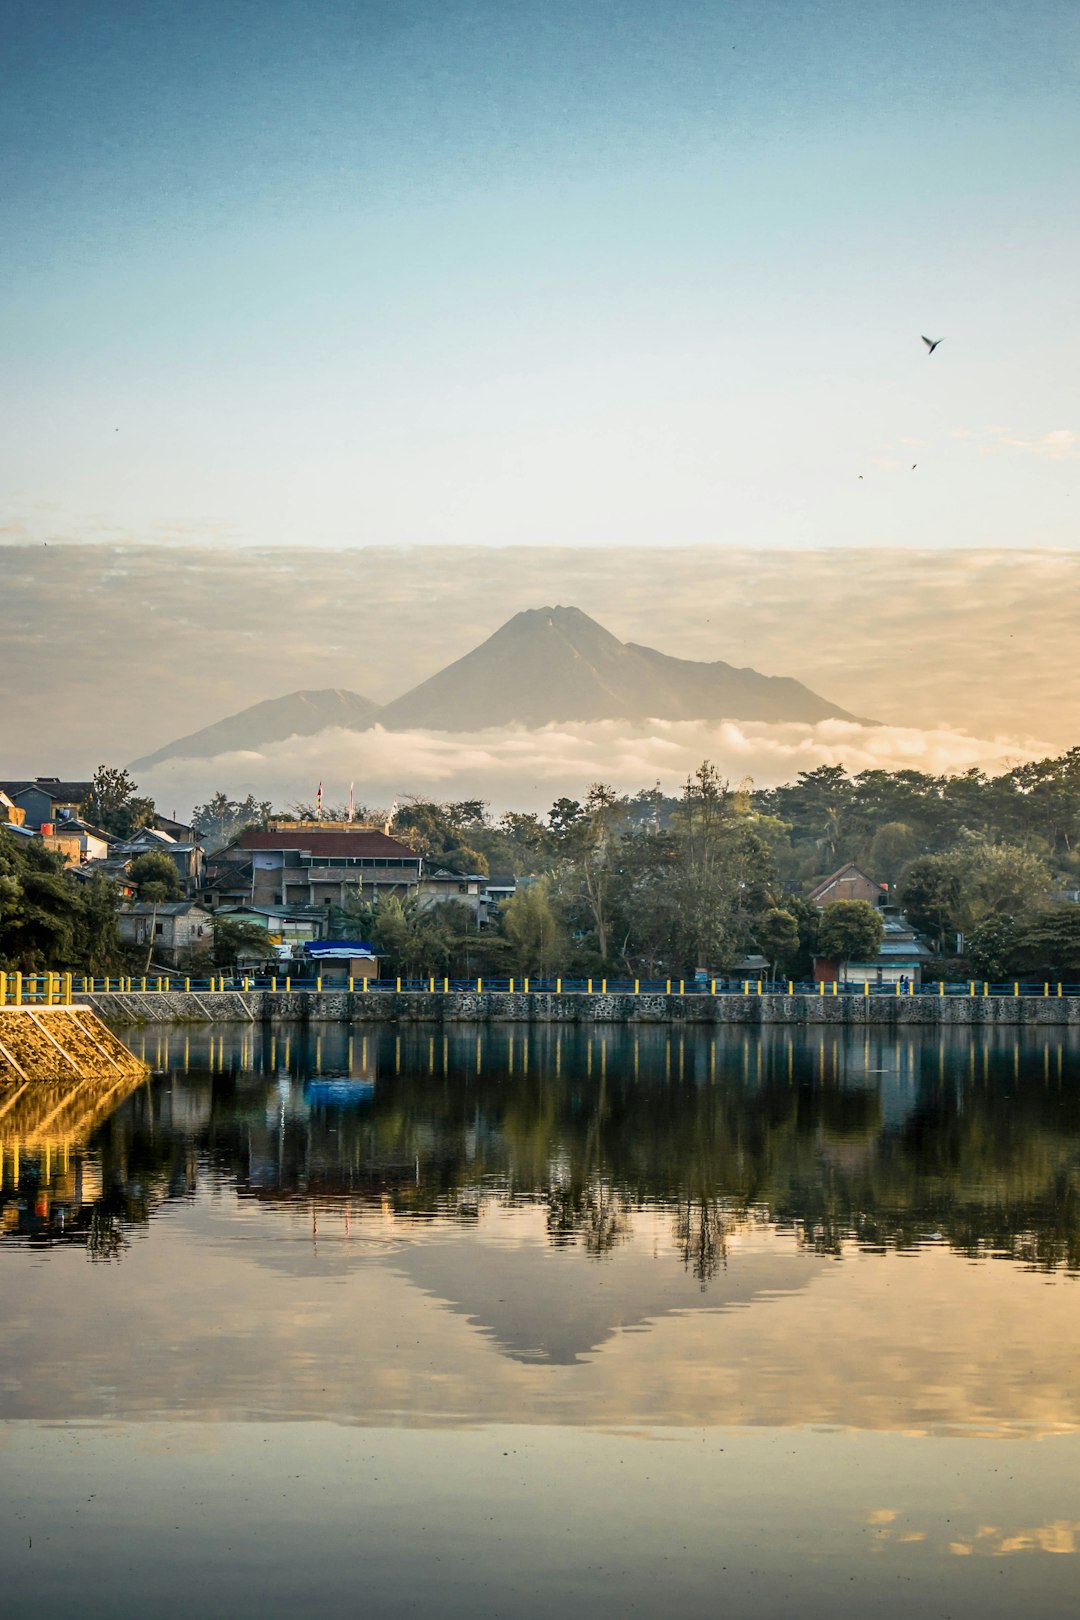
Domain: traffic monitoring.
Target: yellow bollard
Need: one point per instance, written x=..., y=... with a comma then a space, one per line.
x=318, y=984
x=479, y=986
x=866, y=987
x=898, y=986
x=971, y=990
x=526, y=986
x=637, y=987
x=911, y=987
x=835, y=986
x=367, y=983
x=68, y=987
x=821, y=986
x=352, y=984
x=399, y=986
x=682, y=986
x=791, y=987
x=511, y=986
x=288, y=982
x=3, y=987
x=187, y=985
x=48, y=989
x=603, y=987
x=759, y=987
x=986, y=989
x=941, y=987
x=669, y=987
x=446, y=986
x=142, y=983
x=1059, y=989
x=431, y=986
x=1016, y=988
x=713, y=985
x=746, y=987
x=590, y=987
x=1046, y=989
x=558, y=987
x=18, y=989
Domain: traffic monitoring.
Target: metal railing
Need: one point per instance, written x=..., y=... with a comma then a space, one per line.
x=57, y=989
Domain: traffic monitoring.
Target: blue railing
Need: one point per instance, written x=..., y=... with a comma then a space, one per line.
x=57, y=988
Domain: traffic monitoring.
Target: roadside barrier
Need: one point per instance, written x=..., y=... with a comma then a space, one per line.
x=58, y=989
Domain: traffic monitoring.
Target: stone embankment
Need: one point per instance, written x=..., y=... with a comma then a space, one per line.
x=496, y=1006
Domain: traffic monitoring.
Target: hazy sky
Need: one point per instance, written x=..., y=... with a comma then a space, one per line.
x=580, y=272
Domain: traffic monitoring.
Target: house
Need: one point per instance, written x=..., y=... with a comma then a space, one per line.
x=186, y=857
x=79, y=842
x=901, y=956
x=849, y=882
x=285, y=925
x=303, y=864
x=10, y=813
x=175, y=929
x=47, y=799
x=470, y=889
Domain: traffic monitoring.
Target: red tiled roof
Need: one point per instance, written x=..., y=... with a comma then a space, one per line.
x=364, y=842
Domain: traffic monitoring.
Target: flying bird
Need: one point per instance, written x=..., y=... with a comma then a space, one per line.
x=931, y=344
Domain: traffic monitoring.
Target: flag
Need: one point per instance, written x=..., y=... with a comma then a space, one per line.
x=351, y=786
x=318, y=802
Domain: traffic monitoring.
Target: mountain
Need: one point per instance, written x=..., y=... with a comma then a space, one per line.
x=297, y=714
x=544, y=665
x=555, y=663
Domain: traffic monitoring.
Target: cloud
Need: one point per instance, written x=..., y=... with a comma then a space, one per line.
x=512, y=766
x=1060, y=444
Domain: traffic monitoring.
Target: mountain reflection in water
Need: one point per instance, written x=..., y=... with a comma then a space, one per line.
x=734, y=1227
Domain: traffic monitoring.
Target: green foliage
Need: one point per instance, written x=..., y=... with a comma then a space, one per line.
x=532, y=928
x=114, y=804
x=50, y=919
x=443, y=833
x=992, y=948
x=155, y=877
x=777, y=935
x=234, y=939
x=849, y=931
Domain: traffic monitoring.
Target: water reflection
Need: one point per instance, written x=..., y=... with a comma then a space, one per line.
x=878, y=1141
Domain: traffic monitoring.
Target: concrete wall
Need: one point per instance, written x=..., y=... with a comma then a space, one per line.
x=493, y=1006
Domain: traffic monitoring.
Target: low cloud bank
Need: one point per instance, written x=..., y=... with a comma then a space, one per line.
x=514, y=767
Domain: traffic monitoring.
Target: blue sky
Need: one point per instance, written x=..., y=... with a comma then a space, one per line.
x=596, y=274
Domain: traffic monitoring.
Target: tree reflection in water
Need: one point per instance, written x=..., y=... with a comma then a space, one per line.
x=878, y=1141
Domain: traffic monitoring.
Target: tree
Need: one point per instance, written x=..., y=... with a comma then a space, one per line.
x=235, y=939
x=532, y=927
x=114, y=803
x=155, y=877
x=850, y=930
x=221, y=818
x=51, y=919
x=778, y=936
x=992, y=948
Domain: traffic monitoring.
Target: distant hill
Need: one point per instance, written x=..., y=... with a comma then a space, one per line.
x=555, y=663
x=545, y=665
x=297, y=714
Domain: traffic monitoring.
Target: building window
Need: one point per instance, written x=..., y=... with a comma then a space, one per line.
x=159, y=928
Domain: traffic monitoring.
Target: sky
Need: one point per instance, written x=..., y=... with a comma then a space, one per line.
x=580, y=273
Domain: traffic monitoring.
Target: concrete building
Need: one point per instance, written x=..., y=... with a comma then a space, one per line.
x=304, y=864
x=470, y=889
x=176, y=929
x=901, y=957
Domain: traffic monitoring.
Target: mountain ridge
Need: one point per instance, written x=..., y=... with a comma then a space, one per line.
x=541, y=667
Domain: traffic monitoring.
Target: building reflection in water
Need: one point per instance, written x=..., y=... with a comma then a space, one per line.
x=877, y=1139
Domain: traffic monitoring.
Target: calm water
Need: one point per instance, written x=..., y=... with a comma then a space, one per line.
x=393, y=1324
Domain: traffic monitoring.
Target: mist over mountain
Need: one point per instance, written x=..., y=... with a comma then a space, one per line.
x=544, y=666
x=298, y=714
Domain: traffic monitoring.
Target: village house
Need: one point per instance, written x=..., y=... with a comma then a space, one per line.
x=186, y=856
x=78, y=842
x=305, y=864
x=47, y=800
x=469, y=889
x=176, y=930
x=849, y=882
x=900, y=958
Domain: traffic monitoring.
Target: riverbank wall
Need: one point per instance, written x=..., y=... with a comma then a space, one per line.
x=135, y=1008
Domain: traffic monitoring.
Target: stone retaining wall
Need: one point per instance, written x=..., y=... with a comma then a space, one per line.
x=497, y=1006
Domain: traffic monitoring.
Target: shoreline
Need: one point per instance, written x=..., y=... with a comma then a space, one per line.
x=123, y=1009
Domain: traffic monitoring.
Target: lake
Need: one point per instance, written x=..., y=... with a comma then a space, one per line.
x=538, y=1323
